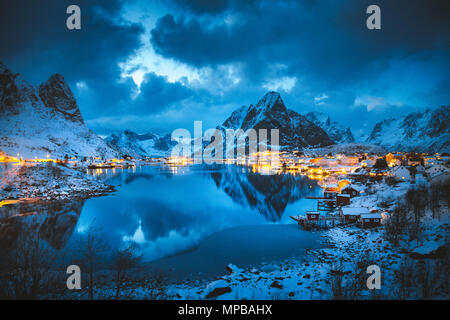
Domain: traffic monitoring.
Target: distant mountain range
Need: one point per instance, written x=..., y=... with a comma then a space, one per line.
x=40, y=121
x=44, y=121
x=423, y=132
x=337, y=132
x=141, y=145
x=427, y=131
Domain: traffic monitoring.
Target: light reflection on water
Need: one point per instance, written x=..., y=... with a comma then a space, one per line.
x=170, y=210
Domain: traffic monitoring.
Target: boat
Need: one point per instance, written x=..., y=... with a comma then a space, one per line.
x=298, y=218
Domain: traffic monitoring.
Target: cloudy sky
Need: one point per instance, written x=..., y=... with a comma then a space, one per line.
x=159, y=65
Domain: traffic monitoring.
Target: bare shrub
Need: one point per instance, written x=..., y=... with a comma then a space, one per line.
x=26, y=268
x=92, y=248
x=124, y=261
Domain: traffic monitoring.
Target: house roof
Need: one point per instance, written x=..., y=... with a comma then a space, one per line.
x=351, y=186
x=400, y=168
x=372, y=216
x=354, y=211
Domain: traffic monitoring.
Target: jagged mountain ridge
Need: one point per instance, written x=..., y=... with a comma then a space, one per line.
x=295, y=130
x=337, y=132
x=44, y=120
x=141, y=145
x=427, y=131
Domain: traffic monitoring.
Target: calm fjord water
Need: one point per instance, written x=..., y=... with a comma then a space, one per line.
x=199, y=219
x=188, y=221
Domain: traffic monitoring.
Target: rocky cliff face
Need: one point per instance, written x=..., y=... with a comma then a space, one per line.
x=56, y=94
x=296, y=131
x=44, y=120
x=427, y=131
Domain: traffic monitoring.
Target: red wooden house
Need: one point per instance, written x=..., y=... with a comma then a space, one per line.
x=312, y=215
x=350, y=190
x=370, y=220
x=352, y=214
x=331, y=191
x=342, y=199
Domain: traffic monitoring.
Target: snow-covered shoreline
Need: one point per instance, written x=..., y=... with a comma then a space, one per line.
x=48, y=181
x=348, y=251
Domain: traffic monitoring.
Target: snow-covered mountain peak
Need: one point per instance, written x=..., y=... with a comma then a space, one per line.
x=337, y=132
x=427, y=131
x=269, y=100
x=14, y=91
x=56, y=94
x=269, y=104
x=44, y=121
x=141, y=145
x=271, y=113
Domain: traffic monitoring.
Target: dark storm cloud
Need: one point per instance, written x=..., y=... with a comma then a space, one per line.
x=157, y=93
x=326, y=46
x=39, y=45
x=36, y=34
x=323, y=45
x=326, y=38
x=201, y=6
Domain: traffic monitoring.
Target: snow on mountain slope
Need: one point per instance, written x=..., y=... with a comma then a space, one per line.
x=44, y=121
x=427, y=131
x=337, y=132
x=270, y=113
x=144, y=145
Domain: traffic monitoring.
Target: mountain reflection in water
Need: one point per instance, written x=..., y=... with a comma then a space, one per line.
x=165, y=211
x=53, y=221
x=269, y=194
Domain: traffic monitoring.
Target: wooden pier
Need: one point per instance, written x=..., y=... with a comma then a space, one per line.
x=324, y=222
x=326, y=205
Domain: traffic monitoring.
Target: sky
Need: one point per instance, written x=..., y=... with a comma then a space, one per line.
x=158, y=65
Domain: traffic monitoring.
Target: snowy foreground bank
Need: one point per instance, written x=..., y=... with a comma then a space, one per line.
x=411, y=269
x=349, y=252
x=48, y=181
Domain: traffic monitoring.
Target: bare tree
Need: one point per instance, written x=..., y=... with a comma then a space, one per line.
x=435, y=194
x=91, y=249
x=25, y=268
x=155, y=286
x=124, y=260
x=404, y=278
x=397, y=224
